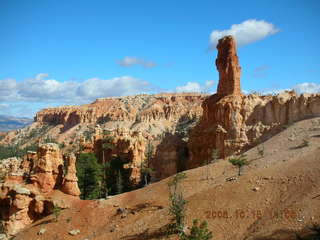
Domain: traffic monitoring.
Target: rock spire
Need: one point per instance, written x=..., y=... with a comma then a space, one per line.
x=228, y=66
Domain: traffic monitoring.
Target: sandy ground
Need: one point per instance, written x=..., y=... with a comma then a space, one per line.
x=277, y=195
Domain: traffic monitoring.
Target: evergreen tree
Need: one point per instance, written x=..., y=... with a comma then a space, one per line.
x=239, y=162
x=7, y=151
x=119, y=184
x=107, y=145
x=89, y=174
x=146, y=171
x=177, y=207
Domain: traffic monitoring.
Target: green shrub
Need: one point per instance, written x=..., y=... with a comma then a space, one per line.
x=7, y=151
x=239, y=161
x=177, y=205
x=56, y=212
x=198, y=232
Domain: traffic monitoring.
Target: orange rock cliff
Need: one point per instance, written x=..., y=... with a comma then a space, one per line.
x=232, y=122
x=134, y=122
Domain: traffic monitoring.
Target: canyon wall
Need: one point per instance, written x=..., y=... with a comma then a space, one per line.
x=232, y=124
x=130, y=109
x=133, y=123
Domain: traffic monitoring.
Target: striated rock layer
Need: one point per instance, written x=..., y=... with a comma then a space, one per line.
x=132, y=109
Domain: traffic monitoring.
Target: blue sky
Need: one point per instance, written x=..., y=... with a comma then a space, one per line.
x=71, y=52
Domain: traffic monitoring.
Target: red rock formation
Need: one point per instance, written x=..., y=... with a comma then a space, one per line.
x=129, y=145
x=126, y=117
x=232, y=122
x=22, y=203
x=70, y=182
x=228, y=66
x=134, y=109
x=48, y=168
x=170, y=156
x=14, y=205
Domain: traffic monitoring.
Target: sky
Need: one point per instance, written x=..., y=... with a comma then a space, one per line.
x=70, y=52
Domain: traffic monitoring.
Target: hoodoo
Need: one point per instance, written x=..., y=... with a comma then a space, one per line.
x=232, y=122
x=228, y=66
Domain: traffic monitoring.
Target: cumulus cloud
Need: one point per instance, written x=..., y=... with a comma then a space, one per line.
x=119, y=86
x=40, y=89
x=307, y=88
x=131, y=61
x=249, y=31
x=195, y=87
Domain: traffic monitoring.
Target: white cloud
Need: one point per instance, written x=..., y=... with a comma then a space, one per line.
x=195, y=87
x=4, y=106
x=131, y=61
x=299, y=88
x=119, y=86
x=307, y=88
x=39, y=89
x=249, y=31
x=189, y=87
x=8, y=89
x=28, y=96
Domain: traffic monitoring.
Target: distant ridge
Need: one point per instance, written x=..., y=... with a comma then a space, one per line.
x=8, y=123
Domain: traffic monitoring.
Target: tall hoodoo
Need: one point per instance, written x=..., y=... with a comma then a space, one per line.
x=233, y=122
x=228, y=66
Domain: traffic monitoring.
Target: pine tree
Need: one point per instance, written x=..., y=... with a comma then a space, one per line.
x=177, y=204
x=146, y=171
x=89, y=173
x=106, y=145
x=119, y=183
x=239, y=162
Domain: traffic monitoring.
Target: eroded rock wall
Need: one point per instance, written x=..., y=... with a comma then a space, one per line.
x=30, y=186
x=234, y=123
x=133, y=109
